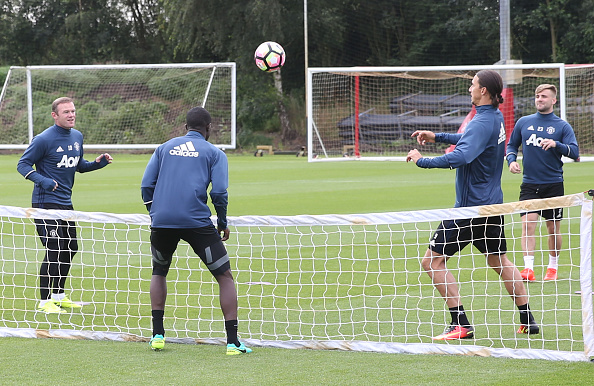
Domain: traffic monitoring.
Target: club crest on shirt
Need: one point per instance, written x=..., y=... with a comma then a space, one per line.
x=76, y=146
x=550, y=130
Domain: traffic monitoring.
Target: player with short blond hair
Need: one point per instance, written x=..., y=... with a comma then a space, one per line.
x=544, y=138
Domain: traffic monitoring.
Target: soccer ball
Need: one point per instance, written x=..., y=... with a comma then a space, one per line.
x=269, y=56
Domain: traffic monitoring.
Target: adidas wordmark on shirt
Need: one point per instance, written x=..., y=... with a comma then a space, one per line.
x=184, y=150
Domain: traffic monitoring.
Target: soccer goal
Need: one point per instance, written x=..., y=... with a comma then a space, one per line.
x=347, y=282
x=369, y=113
x=120, y=106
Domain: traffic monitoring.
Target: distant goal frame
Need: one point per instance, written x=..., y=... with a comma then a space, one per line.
x=316, y=146
x=231, y=119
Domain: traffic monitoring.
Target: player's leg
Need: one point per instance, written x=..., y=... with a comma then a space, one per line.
x=511, y=277
x=443, y=280
x=553, y=219
x=68, y=247
x=227, y=296
x=206, y=243
x=494, y=245
x=555, y=240
x=529, y=221
x=163, y=245
x=47, y=231
x=517, y=290
x=449, y=238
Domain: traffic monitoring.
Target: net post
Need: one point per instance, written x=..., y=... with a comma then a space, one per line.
x=586, y=276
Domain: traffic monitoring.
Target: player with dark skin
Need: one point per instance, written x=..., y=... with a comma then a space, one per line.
x=175, y=189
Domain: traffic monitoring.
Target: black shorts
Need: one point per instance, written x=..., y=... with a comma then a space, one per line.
x=485, y=233
x=206, y=243
x=56, y=235
x=535, y=191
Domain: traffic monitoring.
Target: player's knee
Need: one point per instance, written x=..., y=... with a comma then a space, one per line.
x=217, y=259
x=161, y=263
x=221, y=267
x=159, y=258
x=160, y=270
x=224, y=275
x=426, y=263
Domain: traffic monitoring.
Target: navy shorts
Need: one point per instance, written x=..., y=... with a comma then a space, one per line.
x=206, y=243
x=535, y=191
x=485, y=233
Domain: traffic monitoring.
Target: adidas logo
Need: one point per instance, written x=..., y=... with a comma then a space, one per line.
x=59, y=149
x=184, y=150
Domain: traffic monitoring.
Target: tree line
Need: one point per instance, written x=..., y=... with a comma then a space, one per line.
x=340, y=33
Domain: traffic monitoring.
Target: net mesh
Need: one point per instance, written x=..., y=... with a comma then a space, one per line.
x=328, y=281
x=120, y=105
x=373, y=111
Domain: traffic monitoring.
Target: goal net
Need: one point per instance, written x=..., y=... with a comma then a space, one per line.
x=348, y=282
x=369, y=113
x=119, y=106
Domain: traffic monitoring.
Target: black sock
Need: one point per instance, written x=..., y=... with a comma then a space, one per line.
x=459, y=316
x=231, y=328
x=158, y=328
x=526, y=315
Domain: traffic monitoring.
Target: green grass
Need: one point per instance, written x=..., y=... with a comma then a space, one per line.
x=277, y=185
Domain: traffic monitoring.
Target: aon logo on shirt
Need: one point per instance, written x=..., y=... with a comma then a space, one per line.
x=534, y=140
x=68, y=162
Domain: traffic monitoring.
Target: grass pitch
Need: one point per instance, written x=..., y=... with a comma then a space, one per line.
x=278, y=185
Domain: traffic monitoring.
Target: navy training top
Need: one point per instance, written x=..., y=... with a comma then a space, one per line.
x=176, y=179
x=57, y=154
x=542, y=166
x=478, y=158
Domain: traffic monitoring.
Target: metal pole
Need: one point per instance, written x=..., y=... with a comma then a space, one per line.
x=306, y=56
x=504, y=32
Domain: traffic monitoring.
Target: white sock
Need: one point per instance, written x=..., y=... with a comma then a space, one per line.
x=553, y=261
x=43, y=302
x=529, y=262
x=58, y=297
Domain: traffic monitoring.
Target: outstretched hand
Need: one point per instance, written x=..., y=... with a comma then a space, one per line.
x=413, y=155
x=106, y=156
x=424, y=136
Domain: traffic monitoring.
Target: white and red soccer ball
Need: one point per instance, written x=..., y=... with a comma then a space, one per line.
x=269, y=56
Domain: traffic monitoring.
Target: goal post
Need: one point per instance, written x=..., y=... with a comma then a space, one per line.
x=369, y=113
x=348, y=282
x=132, y=106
